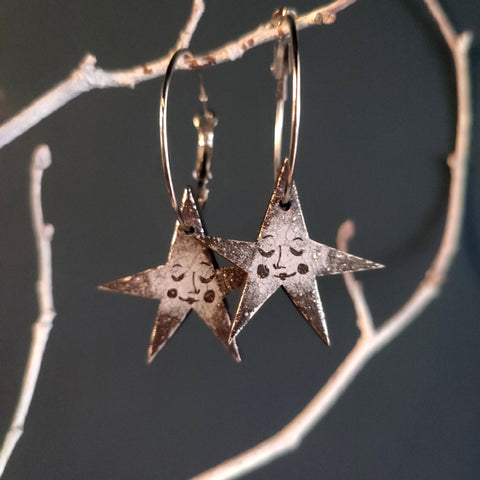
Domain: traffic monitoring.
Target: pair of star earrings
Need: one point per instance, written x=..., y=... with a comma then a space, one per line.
x=283, y=254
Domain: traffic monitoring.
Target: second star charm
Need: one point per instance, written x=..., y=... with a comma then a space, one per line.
x=285, y=256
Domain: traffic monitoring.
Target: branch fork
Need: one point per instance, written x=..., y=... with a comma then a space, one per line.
x=87, y=76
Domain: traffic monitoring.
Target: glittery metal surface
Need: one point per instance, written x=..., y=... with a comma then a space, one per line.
x=189, y=280
x=285, y=256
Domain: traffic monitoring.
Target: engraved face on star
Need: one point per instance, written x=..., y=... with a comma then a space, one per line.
x=192, y=284
x=282, y=257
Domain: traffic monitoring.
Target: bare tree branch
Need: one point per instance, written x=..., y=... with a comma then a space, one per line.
x=371, y=341
x=87, y=76
x=41, y=160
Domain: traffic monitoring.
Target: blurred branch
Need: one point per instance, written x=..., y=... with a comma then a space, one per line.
x=41, y=159
x=87, y=76
x=354, y=287
x=372, y=340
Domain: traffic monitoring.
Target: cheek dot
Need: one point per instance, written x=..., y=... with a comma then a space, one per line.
x=172, y=293
x=302, y=269
x=209, y=296
x=262, y=271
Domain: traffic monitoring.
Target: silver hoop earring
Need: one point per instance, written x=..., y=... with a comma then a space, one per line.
x=190, y=279
x=283, y=254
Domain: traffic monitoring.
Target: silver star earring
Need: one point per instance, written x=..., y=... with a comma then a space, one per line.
x=190, y=279
x=283, y=254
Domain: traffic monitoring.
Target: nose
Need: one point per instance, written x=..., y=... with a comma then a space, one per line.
x=195, y=289
x=277, y=265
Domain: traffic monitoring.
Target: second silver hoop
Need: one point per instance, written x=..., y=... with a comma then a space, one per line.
x=286, y=60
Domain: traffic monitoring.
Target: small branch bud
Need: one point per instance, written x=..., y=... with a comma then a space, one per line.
x=48, y=231
x=42, y=157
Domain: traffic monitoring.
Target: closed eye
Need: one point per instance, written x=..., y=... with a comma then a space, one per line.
x=207, y=279
x=266, y=254
x=297, y=253
x=179, y=278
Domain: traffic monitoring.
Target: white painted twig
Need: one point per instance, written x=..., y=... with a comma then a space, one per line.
x=87, y=76
x=372, y=340
x=41, y=159
x=186, y=34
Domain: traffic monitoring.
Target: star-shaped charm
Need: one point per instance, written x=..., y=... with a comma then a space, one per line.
x=189, y=280
x=284, y=256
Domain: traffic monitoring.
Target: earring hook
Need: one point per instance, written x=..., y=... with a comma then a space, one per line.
x=286, y=60
x=205, y=122
x=162, y=121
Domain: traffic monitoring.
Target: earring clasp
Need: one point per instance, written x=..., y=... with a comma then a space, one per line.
x=204, y=122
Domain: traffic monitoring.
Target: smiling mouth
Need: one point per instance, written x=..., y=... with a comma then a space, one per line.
x=189, y=300
x=283, y=275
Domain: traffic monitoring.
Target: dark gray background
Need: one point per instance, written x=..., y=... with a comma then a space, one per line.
x=377, y=123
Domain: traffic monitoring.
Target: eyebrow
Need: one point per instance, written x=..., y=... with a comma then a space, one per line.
x=177, y=265
x=205, y=263
x=298, y=238
x=267, y=236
